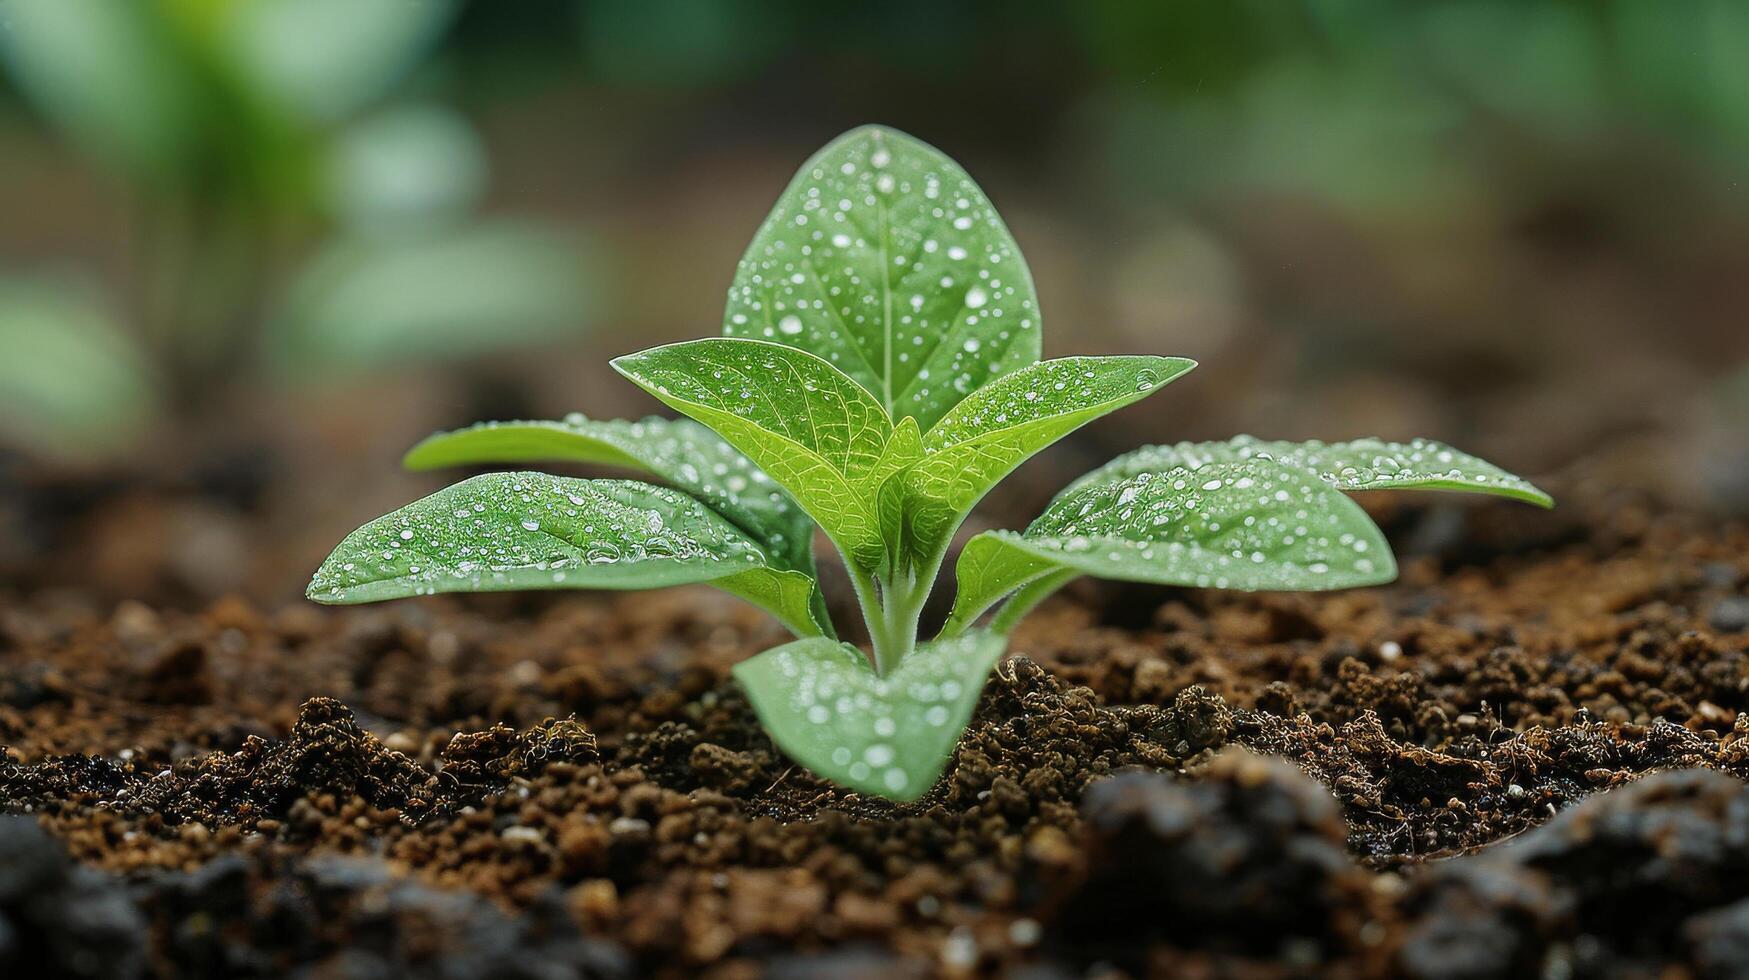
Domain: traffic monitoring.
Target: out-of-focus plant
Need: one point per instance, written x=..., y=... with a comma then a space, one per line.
x=1382, y=107
x=251, y=134
x=69, y=362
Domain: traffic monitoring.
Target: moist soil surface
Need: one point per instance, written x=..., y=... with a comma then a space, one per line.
x=1524, y=758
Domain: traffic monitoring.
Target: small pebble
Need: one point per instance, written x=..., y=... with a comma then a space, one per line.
x=960, y=951
x=530, y=835
x=1730, y=614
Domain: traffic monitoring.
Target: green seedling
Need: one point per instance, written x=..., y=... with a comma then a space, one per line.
x=879, y=372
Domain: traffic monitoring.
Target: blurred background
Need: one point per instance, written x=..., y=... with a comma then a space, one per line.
x=251, y=250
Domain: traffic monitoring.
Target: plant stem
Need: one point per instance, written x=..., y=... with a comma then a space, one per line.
x=891, y=607
x=901, y=607
x=892, y=604
x=869, y=601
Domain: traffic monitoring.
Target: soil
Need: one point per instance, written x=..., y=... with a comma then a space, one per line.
x=1524, y=758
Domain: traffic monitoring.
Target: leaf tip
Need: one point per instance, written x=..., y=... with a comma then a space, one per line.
x=1175, y=367
x=316, y=592
x=419, y=458
x=631, y=366
x=873, y=131
x=1538, y=496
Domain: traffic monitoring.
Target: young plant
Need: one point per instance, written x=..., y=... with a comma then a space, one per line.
x=879, y=372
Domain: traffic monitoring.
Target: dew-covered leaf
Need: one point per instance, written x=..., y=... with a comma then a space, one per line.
x=891, y=736
x=1250, y=525
x=513, y=531
x=816, y=432
x=1361, y=464
x=679, y=451
x=884, y=258
x=1001, y=425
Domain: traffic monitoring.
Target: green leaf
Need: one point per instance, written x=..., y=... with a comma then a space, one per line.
x=1250, y=525
x=108, y=73
x=815, y=431
x=73, y=384
x=884, y=258
x=1363, y=464
x=325, y=58
x=407, y=169
x=885, y=485
x=824, y=705
x=793, y=596
x=903, y=450
x=366, y=302
x=1004, y=423
x=679, y=451
x=509, y=531
x=989, y=568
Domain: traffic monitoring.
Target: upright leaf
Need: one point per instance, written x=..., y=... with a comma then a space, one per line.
x=1249, y=525
x=408, y=169
x=815, y=431
x=324, y=58
x=73, y=383
x=113, y=75
x=884, y=258
x=509, y=531
x=886, y=484
x=1362, y=464
x=363, y=302
x=679, y=451
x=824, y=705
x=1001, y=425
x=903, y=450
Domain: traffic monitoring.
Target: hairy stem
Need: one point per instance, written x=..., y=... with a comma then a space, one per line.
x=892, y=605
x=868, y=599
x=901, y=606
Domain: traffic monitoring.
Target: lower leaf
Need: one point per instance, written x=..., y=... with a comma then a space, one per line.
x=514, y=531
x=1252, y=525
x=679, y=451
x=889, y=736
x=1360, y=464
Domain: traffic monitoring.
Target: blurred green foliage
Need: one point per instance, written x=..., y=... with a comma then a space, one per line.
x=370, y=302
x=249, y=131
x=298, y=166
x=82, y=371
x=1380, y=104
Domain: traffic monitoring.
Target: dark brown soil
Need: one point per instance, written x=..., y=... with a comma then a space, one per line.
x=1466, y=774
